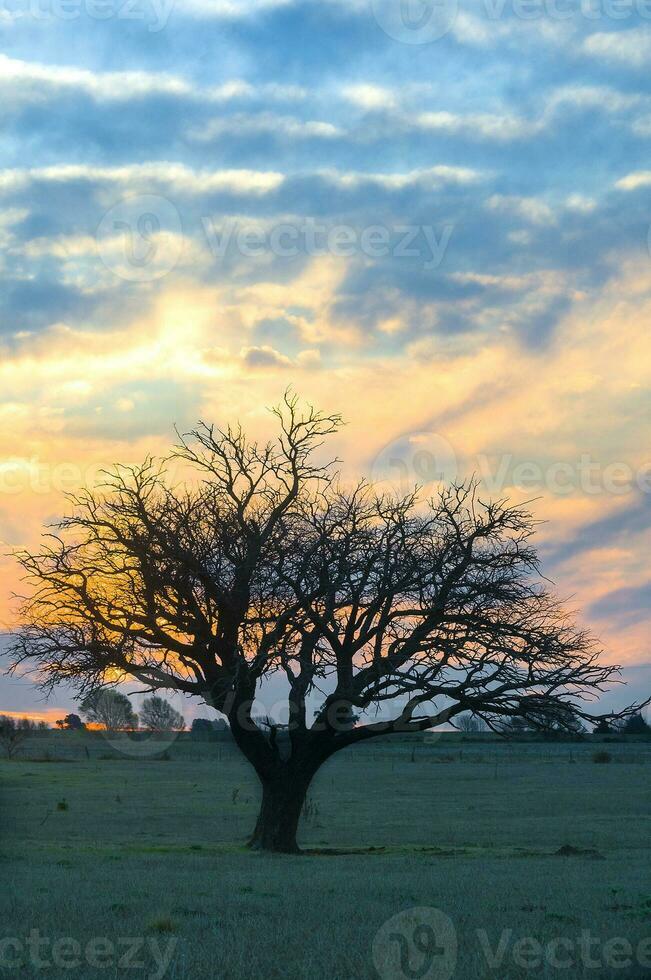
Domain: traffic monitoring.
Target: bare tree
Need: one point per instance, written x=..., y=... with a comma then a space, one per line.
x=469, y=723
x=267, y=565
x=13, y=733
x=512, y=727
x=158, y=715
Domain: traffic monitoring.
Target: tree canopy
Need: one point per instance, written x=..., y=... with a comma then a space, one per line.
x=158, y=715
x=396, y=610
x=110, y=709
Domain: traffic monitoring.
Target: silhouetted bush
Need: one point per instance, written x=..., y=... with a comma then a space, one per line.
x=635, y=725
x=71, y=722
x=206, y=730
x=603, y=728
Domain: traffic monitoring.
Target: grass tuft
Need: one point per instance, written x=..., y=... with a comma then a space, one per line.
x=162, y=924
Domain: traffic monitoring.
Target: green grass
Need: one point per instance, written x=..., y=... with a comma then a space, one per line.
x=154, y=849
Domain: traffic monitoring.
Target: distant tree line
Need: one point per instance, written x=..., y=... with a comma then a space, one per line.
x=114, y=712
x=470, y=724
x=634, y=724
x=14, y=731
x=206, y=729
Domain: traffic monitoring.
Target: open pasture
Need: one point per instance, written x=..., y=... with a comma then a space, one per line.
x=99, y=846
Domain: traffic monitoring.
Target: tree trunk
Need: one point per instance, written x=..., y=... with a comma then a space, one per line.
x=283, y=797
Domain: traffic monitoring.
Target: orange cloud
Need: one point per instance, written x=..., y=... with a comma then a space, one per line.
x=497, y=404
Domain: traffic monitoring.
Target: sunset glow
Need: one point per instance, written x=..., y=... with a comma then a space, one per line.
x=403, y=238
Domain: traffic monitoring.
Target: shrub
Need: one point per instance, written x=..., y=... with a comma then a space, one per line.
x=201, y=729
x=162, y=924
x=603, y=728
x=13, y=733
x=636, y=725
x=602, y=757
x=71, y=723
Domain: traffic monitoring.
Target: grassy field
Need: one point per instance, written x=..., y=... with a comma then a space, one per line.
x=137, y=866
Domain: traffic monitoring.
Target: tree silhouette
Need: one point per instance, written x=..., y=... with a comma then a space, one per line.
x=635, y=725
x=110, y=709
x=71, y=722
x=267, y=564
x=202, y=729
x=603, y=728
x=13, y=732
x=158, y=715
x=469, y=723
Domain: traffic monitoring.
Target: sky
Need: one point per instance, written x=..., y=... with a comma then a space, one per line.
x=433, y=217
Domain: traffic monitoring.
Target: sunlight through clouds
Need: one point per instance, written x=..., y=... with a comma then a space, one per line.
x=419, y=235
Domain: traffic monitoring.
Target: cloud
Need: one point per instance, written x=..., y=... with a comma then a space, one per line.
x=525, y=342
x=266, y=123
x=634, y=181
x=232, y=9
x=630, y=47
x=31, y=82
x=602, y=97
x=264, y=357
x=496, y=23
x=251, y=9
x=436, y=176
x=369, y=96
x=141, y=177
x=531, y=209
x=627, y=606
x=502, y=128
